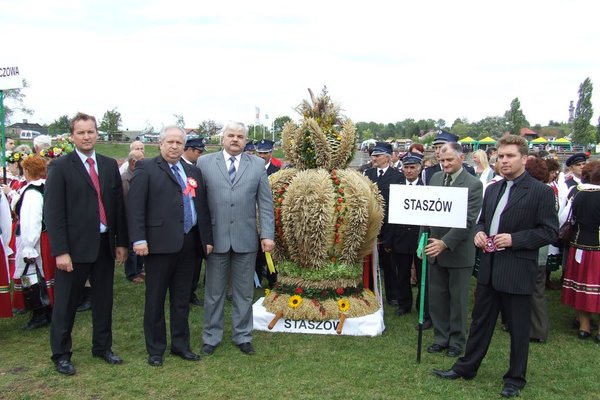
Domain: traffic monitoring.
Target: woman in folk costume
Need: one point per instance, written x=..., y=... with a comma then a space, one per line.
x=14, y=182
x=582, y=276
x=5, y=235
x=30, y=246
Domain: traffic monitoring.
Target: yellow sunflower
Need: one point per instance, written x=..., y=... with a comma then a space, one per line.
x=267, y=292
x=295, y=301
x=344, y=304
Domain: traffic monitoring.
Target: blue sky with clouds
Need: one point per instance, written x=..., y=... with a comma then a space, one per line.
x=383, y=61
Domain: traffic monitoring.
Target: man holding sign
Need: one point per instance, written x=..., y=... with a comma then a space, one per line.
x=451, y=257
x=518, y=217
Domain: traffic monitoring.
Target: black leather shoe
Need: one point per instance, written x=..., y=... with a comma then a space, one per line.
x=426, y=325
x=86, y=305
x=449, y=374
x=436, y=348
x=509, y=391
x=402, y=311
x=454, y=351
x=65, y=367
x=35, y=323
x=196, y=301
x=583, y=335
x=109, y=357
x=155, y=361
x=208, y=349
x=246, y=348
x=186, y=355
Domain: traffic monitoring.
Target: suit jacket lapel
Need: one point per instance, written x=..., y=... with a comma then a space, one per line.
x=220, y=161
x=79, y=167
x=164, y=165
x=244, y=162
x=517, y=193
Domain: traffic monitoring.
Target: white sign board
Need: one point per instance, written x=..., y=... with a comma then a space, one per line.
x=428, y=205
x=10, y=77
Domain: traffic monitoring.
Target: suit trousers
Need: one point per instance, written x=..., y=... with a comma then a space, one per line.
x=448, y=301
x=402, y=264
x=539, y=307
x=68, y=287
x=517, y=308
x=196, y=278
x=173, y=272
x=390, y=275
x=218, y=268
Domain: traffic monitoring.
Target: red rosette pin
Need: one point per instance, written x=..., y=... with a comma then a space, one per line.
x=191, y=186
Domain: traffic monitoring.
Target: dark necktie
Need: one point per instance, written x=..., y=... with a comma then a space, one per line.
x=500, y=208
x=187, y=204
x=448, y=180
x=96, y=182
x=232, y=169
x=380, y=174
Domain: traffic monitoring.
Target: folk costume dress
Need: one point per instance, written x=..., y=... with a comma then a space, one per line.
x=32, y=240
x=16, y=183
x=581, y=286
x=5, y=235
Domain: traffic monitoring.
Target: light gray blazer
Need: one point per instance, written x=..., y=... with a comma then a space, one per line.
x=233, y=207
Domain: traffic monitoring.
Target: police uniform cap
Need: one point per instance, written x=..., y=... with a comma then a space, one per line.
x=196, y=143
x=445, y=137
x=576, y=158
x=264, y=146
x=412, y=158
x=250, y=146
x=382, y=148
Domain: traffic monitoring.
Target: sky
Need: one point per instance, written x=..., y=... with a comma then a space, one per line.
x=382, y=61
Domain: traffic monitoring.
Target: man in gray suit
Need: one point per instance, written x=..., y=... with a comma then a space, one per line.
x=237, y=187
x=451, y=257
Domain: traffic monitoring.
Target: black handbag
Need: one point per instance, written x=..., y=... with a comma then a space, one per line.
x=35, y=291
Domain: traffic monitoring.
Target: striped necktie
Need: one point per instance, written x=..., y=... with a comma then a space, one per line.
x=232, y=170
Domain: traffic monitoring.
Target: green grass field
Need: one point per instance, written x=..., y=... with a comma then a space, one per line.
x=295, y=366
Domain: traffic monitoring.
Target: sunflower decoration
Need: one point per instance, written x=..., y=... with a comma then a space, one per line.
x=343, y=304
x=327, y=218
x=295, y=301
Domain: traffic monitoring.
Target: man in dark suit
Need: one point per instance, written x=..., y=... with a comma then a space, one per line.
x=440, y=140
x=85, y=218
x=194, y=148
x=518, y=217
x=451, y=256
x=384, y=176
x=169, y=224
x=402, y=241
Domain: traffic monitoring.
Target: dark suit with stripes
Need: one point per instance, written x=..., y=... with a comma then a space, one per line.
x=506, y=278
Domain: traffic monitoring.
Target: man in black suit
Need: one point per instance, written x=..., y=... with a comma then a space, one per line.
x=440, y=140
x=518, y=217
x=384, y=175
x=169, y=223
x=194, y=148
x=402, y=241
x=85, y=218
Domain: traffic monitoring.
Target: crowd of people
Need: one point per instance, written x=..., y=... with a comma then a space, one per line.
x=510, y=244
x=71, y=214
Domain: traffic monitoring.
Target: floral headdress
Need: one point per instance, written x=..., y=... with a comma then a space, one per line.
x=16, y=156
x=62, y=147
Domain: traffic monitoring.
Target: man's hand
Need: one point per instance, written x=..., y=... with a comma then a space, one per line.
x=64, y=263
x=480, y=239
x=121, y=253
x=141, y=249
x=435, y=247
x=503, y=240
x=209, y=249
x=267, y=245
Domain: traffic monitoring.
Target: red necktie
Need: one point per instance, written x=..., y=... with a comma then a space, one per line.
x=96, y=183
